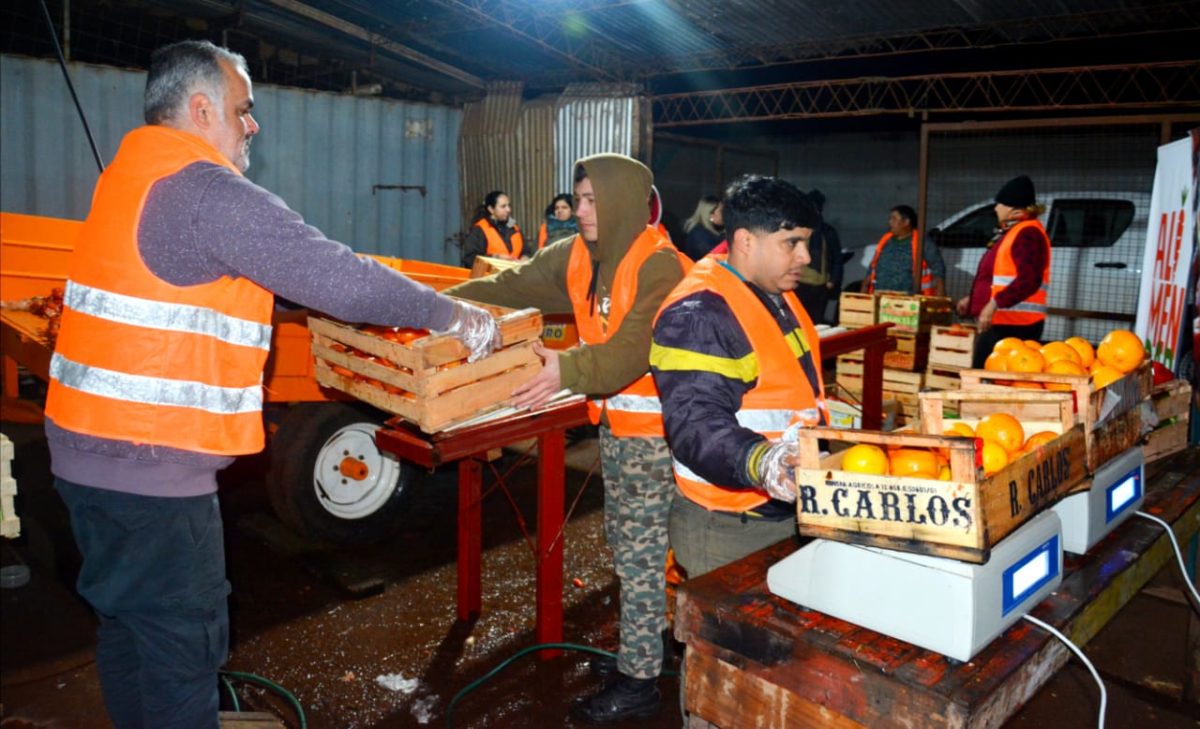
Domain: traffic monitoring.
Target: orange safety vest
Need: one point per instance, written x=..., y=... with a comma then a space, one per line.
x=144, y=361
x=1004, y=272
x=782, y=395
x=495, y=244
x=542, y=237
x=635, y=411
x=926, y=289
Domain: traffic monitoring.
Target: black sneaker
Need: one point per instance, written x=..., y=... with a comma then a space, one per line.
x=624, y=698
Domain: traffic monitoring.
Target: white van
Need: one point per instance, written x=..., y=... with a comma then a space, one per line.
x=1096, y=263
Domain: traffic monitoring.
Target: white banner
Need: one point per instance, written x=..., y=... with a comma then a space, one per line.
x=1165, y=266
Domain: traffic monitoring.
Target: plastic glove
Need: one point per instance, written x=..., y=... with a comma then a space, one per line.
x=776, y=471
x=474, y=327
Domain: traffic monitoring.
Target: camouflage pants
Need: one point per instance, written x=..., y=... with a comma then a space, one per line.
x=638, y=484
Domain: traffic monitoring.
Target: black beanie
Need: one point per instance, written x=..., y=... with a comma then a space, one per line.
x=1017, y=193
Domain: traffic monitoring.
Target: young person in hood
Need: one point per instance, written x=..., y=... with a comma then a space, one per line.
x=612, y=276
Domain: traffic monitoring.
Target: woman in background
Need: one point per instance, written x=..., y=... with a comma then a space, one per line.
x=493, y=232
x=704, y=228
x=560, y=220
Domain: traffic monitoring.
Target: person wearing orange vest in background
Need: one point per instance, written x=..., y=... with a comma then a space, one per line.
x=559, y=222
x=493, y=232
x=612, y=276
x=892, y=266
x=1012, y=283
x=156, y=376
x=738, y=367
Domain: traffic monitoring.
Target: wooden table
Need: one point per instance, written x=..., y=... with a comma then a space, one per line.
x=873, y=340
x=755, y=659
x=469, y=447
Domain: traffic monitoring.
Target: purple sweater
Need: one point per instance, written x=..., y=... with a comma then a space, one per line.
x=203, y=223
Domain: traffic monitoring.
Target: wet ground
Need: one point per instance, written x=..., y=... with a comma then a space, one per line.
x=334, y=626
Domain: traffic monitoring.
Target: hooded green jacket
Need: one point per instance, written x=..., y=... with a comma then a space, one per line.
x=622, y=188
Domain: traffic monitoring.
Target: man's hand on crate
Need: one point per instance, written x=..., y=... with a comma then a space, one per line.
x=538, y=391
x=476, y=328
x=776, y=469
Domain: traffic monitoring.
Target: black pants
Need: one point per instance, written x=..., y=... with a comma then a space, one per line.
x=814, y=299
x=986, y=341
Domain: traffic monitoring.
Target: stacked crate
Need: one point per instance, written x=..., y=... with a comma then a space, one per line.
x=911, y=318
x=1172, y=403
x=10, y=524
x=856, y=311
x=900, y=386
x=950, y=351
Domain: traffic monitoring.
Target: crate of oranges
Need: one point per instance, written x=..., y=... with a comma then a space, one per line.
x=985, y=463
x=1108, y=382
x=422, y=377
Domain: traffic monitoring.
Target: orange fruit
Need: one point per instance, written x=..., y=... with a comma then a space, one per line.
x=1103, y=376
x=995, y=360
x=1034, y=345
x=1063, y=367
x=914, y=462
x=1054, y=351
x=1083, y=348
x=1007, y=343
x=1121, y=350
x=1024, y=359
x=995, y=457
x=1038, y=439
x=959, y=429
x=944, y=473
x=1002, y=429
x=863, y=458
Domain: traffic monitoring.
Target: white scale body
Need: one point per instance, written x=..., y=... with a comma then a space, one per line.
x=1117, y=491
x=952, y=607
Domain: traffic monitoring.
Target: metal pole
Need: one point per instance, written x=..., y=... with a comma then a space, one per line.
x=62, y=63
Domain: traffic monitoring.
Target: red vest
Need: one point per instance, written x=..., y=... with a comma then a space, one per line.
x=925, y=289
x=144, y=361
x=635, y=411
x=495, y=244
x=781, y=395
x=1004, y=272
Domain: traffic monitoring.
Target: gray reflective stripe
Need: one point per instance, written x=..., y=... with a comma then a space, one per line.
x=765, y=421
x=634, y=403
x=155, y=390
x=1026, y=306
x=687, y=473
x=171, y=317
x=1003, y=280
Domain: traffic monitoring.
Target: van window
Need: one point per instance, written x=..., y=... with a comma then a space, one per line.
x=973, y=230
x=1088, y=223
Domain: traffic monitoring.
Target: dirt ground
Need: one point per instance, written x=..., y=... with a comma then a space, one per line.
x=368, y=638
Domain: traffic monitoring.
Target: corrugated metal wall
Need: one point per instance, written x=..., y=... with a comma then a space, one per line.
x=527, y=148
x=322, y=153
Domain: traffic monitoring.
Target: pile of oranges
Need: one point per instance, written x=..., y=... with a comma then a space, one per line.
x=897, y=461
x=1003, y=439
x=1119, y=353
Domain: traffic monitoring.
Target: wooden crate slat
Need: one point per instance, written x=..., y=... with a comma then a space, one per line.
x=1171, y=399
x=857, y=310
x=951, y=347
x=914, y=313
x=1166, y=440
x=937, y=378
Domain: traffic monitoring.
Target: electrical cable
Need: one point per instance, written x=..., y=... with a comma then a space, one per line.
x=1178, y=556
x=62, y=63
x=1054, y=631
x=269, y=684
x=523, y=652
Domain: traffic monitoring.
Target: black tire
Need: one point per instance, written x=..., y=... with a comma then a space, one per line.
x=338, y=509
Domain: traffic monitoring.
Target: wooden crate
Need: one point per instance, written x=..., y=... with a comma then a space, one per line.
x=961, y=518
x=857, y=310
x=914, y=313
x=1110, y=416
x=427, y=381
x=488, y=265
x=1172, y=403
x=910, y=352
x=951, y=347
x=939, y=378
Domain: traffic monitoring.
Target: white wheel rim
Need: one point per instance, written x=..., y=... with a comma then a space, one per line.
x=352, y=478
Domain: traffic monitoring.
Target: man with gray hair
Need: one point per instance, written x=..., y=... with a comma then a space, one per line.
x=156, y=377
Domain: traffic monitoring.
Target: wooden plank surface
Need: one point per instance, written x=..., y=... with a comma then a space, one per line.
x=858, y=675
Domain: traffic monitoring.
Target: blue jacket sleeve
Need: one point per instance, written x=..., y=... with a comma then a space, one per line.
x=699, y=360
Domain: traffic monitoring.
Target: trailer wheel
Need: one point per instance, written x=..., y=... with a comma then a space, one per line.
x=329, y=481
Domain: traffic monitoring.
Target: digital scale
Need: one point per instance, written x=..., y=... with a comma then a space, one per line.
x=948, y=606
x=1117, y=491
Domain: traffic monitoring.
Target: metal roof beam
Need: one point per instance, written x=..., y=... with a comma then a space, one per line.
x=1137, y=86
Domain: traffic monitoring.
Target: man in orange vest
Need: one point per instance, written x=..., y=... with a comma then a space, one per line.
x=738, y=367
x=612, y=277
x=1012, y=282
x=892, y=265
x=156, y=377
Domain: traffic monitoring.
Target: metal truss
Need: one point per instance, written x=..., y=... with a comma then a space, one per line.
x=1140, y=86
